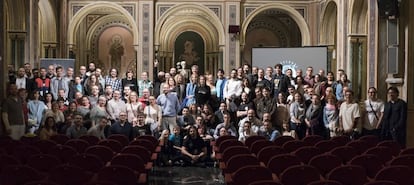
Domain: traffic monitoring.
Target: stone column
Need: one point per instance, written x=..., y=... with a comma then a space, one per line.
x=33, y=29
x=63, y=30
x=3, y=63
x=232, y=53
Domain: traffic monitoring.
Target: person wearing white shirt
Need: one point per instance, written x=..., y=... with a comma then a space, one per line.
x=374, y=110
x=233, y=87
x=115, y=106
x=349, y=115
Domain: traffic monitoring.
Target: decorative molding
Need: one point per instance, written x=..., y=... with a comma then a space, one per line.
x=301, y=11
x=233, y=42
x=76, y=8
x=91, y=18
x=145, y=37
x=371, y=42
x=270, y=25
x=216, y=9
x=162, y=9
x=130, y=9
x=248, y=11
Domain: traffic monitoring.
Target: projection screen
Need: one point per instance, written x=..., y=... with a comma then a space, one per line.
x=291, y=58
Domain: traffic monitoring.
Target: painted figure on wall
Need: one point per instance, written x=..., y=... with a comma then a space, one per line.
x=116, y=51
x=190, y=56
x=189, y=47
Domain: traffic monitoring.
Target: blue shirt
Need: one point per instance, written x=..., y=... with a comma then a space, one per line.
x=169, y=104
x=220, y=88
x=270, y=135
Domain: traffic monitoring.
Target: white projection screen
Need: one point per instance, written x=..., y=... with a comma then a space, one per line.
x=291, y=58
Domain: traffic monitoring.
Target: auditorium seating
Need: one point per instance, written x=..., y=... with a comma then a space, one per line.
x=79, y=144
x=348, y=175
x=88, y=162
x=334, y=161
x=44, y=162
x=250, y=173
x=370, y=162
x=402, y=175
x=64, y=161
x=60, y=138
x=325, y=162
x=259, y=144
x=250, y=140
x=266, y=153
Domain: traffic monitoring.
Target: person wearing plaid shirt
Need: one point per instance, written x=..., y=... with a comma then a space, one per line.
x=113, y=80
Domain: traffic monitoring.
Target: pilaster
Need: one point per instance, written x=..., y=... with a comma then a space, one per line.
x=33, y=33
x=63, y=29
x=232, y=50
x=145, y=52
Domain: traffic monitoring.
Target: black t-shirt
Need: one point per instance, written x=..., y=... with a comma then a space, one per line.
x=194, y=145
x=141, y=130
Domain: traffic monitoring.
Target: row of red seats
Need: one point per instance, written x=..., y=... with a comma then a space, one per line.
x=69, y=175
x=92, y=157
x=324, y=155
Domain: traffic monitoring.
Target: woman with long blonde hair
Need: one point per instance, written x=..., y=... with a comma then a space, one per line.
x=133, y=106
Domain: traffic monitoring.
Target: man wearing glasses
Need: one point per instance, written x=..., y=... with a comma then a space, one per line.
x=394, y=123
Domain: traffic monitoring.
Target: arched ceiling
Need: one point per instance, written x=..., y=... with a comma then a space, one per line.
x=189, y=17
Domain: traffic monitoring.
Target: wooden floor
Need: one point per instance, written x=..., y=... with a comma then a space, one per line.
x=186, y=175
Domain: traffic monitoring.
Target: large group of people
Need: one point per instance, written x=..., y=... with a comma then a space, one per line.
x=186, y=110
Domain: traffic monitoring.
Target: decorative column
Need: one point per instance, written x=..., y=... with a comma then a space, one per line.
x=232, y=54
x=371, y=44
x=63, y=30
x=33, y=30
x=342, y=32
x=3, y=62
x=145, y=57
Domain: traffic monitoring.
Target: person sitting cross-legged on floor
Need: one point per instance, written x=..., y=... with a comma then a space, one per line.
x=194, y=149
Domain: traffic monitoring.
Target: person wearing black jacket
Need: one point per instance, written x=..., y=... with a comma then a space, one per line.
x=202, y=92
x=394, y=122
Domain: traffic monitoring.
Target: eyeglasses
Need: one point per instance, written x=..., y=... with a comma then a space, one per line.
x=372, y=92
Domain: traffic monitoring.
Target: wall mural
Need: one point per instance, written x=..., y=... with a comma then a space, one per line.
x=115, y=50
x=189, y=47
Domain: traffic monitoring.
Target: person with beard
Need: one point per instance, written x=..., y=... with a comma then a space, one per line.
x=139, y=128
x=51, y=71
x=11, y=73
x=23, y=82
x=130, y=80
x=227, y=125
x=266, y=104
x=144, y=83
x=12, y=114
x=91, y=69
x=122, y=126
x=194, y=149
x=394, y=123
x=254, y=123
x=185, y=121
x=77, y=129
x=268, y=131
x=170, y=107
